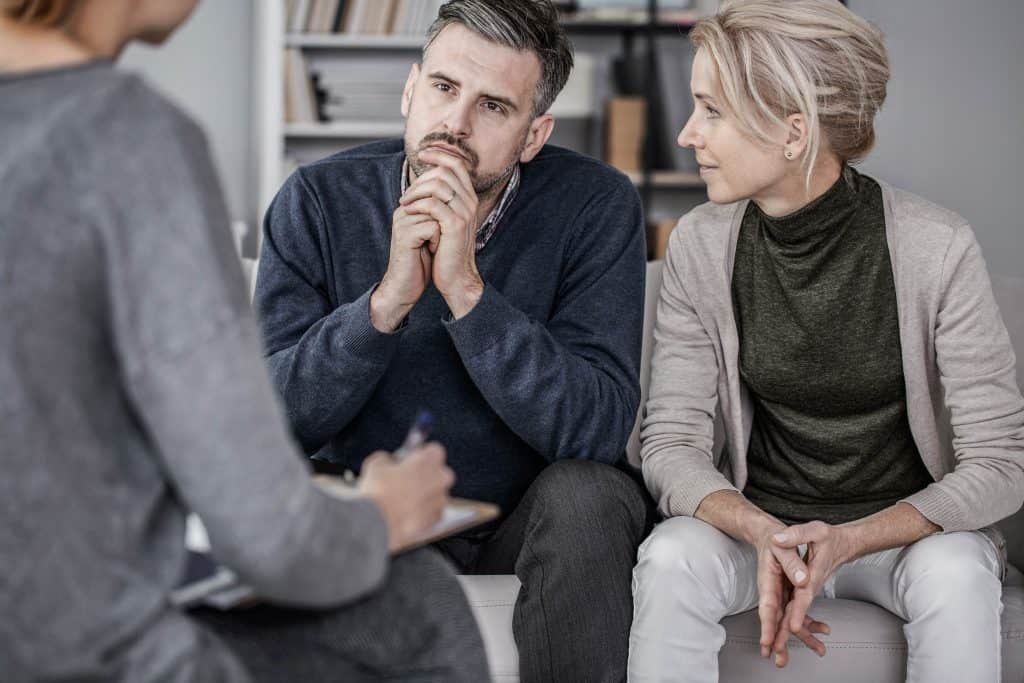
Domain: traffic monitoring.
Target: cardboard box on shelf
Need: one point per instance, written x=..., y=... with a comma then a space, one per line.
x=624, y=135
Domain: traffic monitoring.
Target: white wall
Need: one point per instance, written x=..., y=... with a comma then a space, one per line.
x=952, y=129
x=205, y=67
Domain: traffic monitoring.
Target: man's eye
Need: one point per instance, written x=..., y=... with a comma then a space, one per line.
x=443, y=87
x=494, y=107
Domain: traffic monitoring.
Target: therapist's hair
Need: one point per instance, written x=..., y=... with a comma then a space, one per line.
x=774, y=58
x=521, y=25
x=49, y=13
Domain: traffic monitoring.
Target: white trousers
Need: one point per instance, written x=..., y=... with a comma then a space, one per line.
x=689, y=576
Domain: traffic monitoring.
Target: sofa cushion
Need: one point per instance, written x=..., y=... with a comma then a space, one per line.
x=492, y=599
x=866, y=644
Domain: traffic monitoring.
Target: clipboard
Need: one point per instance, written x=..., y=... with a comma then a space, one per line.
x=208, y=584
x=458, y=515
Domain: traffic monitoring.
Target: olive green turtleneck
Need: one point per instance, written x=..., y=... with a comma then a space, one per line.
x=820, y=353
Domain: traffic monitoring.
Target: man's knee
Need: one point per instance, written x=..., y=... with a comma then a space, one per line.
x=577, y=496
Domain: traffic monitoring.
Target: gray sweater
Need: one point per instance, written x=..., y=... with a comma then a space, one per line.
x=134, y=390
x=965, y=410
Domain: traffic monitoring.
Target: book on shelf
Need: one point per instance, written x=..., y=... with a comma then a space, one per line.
x=361, y=17
x=300, y=104
x=362, y=87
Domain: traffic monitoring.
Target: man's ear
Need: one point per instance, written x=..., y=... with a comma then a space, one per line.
x=410, y=84
x=536, y=137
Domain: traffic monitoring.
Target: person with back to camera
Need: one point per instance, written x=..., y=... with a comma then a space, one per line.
x=846, y=334
x=134, y=390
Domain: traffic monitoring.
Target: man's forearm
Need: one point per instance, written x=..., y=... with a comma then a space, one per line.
x=731, y=513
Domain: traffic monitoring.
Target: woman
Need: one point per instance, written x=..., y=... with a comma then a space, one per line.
x=134, y=390
x=845, y=333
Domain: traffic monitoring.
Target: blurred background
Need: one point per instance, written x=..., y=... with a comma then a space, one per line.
x=281, y=82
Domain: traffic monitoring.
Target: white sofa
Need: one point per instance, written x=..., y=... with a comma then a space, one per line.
x=867, y=642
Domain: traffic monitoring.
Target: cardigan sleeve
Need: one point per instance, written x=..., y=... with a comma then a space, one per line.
x=975, y=361
x=677, y=433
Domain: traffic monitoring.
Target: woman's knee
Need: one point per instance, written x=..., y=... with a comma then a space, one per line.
x=960, y=568
x=684, y=549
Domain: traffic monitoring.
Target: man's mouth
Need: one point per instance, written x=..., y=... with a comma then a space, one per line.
x=448, y=149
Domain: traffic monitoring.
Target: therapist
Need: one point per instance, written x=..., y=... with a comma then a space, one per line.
x=134, y=391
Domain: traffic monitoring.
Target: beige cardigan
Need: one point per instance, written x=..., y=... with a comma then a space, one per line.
x=965, y=409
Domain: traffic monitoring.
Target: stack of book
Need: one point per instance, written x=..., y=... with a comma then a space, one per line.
x=362, y=87
x=361, y=17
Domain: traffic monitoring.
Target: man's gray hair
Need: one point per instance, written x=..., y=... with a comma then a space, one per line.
x=521, y=25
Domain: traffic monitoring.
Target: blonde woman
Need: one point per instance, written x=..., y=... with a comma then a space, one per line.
x=845, y=333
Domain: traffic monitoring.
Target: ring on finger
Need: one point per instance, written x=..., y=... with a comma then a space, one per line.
x=448, y=203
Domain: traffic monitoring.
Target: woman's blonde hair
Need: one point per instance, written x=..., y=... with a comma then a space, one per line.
x=50, y=13
x=774, y=58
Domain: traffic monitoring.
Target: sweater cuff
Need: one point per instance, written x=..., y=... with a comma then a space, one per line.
x=939, y=508
x=484, y=326
x=684, y=501
x=360, y=338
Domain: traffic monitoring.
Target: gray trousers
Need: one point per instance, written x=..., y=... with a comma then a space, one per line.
x=416, y=627
x=946, y=587
x=572, y=541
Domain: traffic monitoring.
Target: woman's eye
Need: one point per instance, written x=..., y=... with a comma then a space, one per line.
x=712, y=113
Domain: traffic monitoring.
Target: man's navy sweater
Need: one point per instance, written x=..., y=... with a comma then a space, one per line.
x=545, y=367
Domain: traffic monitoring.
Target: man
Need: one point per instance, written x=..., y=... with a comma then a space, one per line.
x=499, y=284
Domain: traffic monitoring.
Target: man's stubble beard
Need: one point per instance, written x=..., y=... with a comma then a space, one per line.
x=485, y=186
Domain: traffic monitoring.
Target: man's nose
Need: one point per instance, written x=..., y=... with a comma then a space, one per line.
x=459, y=120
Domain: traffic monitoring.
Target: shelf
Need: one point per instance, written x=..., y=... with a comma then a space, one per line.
x=345, y=129
x=630, y=22
x=670, y=180
x=355, y=42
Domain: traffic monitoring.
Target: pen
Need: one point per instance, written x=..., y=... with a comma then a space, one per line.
x=417, y=436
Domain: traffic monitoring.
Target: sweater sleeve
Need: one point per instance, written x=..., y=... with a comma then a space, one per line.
x=677, y=433
x=569, y=387
x=192, y=367
x=976, y=367
x=325, y=359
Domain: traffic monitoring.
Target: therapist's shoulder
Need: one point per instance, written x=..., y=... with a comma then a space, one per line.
x=127, y=112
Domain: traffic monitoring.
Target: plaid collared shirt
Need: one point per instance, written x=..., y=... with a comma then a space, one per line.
x=490, y=225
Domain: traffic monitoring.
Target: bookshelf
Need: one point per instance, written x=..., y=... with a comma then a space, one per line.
x=281, y=144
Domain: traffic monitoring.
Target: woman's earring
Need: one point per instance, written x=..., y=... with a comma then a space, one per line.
x=789, y=154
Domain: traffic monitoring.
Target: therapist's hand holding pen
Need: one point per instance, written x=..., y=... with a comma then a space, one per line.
x=410, y=487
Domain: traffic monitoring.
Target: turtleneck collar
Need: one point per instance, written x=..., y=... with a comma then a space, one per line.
x=823, y=216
